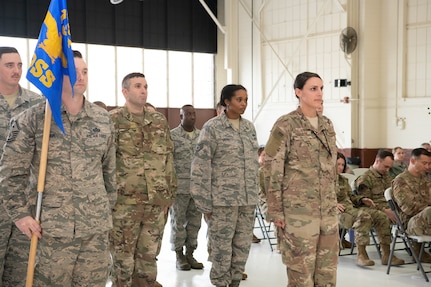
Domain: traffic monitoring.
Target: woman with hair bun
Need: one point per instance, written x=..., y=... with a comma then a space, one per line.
x=224, y=185
x=300, y=169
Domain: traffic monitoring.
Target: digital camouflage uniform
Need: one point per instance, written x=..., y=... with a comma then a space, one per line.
x=146, y=184
x=301, y=165
x=413, y=196
x=397, y=168
x=372, y=184
x=14, y=246
x=185, y=218
x=224, y=182
x=78, y=195
x=361, y=219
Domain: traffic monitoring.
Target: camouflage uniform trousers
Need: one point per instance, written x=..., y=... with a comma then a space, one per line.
x=72, y=261
x=362, y=220
x=16, y=259
x=185, y=222
x=308, y=242
x=231, y=228
x=134, y=240
x=5, y=231
x=420, y=224
x=159, y=246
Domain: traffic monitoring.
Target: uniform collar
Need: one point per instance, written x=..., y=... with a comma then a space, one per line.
x=147, y=119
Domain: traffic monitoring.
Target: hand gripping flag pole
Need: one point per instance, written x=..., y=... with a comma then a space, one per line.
x=40, y=188
x=52, y=62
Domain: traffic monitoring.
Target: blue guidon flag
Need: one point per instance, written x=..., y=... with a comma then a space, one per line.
x=53, y=58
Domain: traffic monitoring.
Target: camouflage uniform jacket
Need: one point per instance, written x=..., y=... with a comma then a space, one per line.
x=145, y=166
x=412, y=194
x=225, y=168
x=345, y=195
x=300, y=162
x=184, y=147
x=24, y=100
x=372, y=184
x=397, y=168
x=80, y=174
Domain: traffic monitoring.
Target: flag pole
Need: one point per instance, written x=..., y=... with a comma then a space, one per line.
x=40, y=188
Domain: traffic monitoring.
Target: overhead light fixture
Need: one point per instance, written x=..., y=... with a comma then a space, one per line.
x=116, y=1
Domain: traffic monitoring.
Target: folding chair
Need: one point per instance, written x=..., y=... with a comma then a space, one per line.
x=352, y=240
x=344, y=231
x=267, y=229
x=360, y=171
x=398, y=231
x=350, y=177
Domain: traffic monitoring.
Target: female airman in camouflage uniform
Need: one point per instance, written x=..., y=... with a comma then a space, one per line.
x=300, y=162
x=224, y=185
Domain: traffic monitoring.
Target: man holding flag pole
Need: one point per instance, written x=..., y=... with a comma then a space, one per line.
x=60, y=179
x=14, y=99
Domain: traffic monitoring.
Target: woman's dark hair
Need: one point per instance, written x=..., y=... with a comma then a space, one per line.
x=340, y=155
x=302, y=78
x=228, y=92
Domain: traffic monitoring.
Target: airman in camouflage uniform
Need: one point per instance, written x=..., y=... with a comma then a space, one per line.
x=372, y=184
x=224, y=185
x=399, y=166
x=412, y=192
x=146, y=186
x=361, y=219
x=300, y=161
x=14, y=246
x=185, y=218
x=79, y=187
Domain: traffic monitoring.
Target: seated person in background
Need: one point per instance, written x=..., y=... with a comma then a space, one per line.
x=262, y=192
x=360, y=219
x=426, y=146
x=372, y=184
x=101, y=104
x=399, y=166
x=150, y=107
x=412, y=192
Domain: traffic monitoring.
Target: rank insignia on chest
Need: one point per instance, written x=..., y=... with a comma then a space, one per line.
x=13, y=131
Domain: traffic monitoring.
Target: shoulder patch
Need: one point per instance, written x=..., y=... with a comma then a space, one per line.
x=274, y=141
x=13, y=131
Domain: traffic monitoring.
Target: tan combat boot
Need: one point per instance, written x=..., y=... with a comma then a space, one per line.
x=345, y=244
x=386, y=251
x=426, y=257
x=182, y=263
x=191, y=260
x=362, y=259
